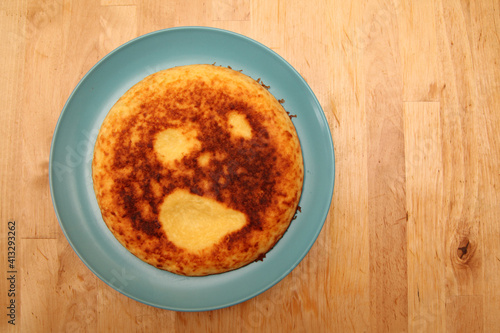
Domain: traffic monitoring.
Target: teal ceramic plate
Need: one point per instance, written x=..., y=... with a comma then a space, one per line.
x=72, y=149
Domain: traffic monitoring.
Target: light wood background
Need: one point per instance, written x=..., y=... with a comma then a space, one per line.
x=411, y=90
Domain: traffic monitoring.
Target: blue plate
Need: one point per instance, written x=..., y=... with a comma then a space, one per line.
x=72, y=149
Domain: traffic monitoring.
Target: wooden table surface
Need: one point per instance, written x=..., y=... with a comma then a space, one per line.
x=411, y=92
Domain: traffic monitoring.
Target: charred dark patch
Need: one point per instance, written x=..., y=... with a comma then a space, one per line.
x=244, y=179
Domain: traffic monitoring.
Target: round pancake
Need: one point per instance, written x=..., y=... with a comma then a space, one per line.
x=198, y=170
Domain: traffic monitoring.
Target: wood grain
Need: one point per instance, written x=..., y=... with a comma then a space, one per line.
x=426, y=227
x=411, y=91
x=386, y=172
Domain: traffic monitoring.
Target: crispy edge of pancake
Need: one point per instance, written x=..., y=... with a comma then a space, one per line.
x=236, y=249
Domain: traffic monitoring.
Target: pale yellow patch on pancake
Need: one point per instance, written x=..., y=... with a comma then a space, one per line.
x=239, y=126
x=204, y=159
x=173, y=144
x=194, y=223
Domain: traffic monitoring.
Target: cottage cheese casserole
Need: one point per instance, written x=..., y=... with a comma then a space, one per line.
x=198, y=170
